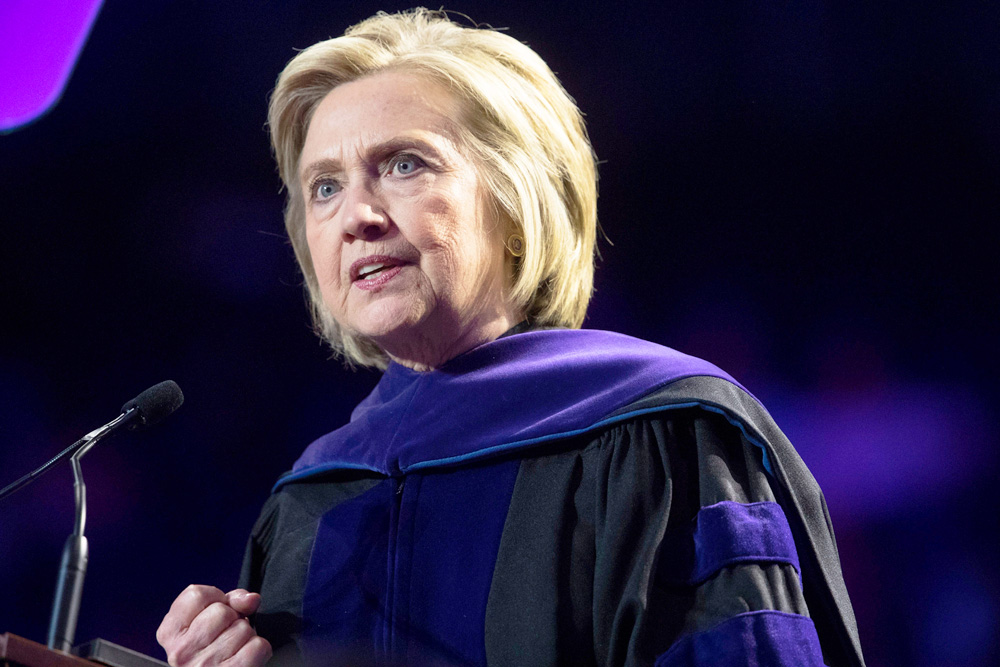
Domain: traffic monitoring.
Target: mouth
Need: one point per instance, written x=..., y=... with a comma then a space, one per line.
x=374, y=269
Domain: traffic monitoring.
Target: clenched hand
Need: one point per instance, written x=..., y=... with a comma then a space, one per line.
x=207, y=627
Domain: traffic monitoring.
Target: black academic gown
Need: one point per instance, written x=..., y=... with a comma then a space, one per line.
x=678, y=528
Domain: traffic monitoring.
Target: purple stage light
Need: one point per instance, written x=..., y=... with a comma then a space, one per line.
x=883, y=452
x=40, y=41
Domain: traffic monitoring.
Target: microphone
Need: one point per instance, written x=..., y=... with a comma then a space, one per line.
x=144, y=410
x=154, y=404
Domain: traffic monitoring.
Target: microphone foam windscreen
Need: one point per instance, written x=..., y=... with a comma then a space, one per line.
x=155, y=403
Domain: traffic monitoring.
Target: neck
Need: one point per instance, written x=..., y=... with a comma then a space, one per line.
x=424, y=351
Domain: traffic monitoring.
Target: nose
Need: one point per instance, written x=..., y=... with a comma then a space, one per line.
x=363, y=216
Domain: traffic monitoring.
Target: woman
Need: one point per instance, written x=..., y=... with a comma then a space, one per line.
x=514, y=491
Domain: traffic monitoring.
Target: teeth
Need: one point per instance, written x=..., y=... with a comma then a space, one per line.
x=369, y=268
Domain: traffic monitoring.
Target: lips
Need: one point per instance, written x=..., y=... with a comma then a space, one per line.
x=374, y=269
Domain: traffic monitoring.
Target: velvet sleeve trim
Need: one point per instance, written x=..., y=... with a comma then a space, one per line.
x=753, y=639
x=731, y=533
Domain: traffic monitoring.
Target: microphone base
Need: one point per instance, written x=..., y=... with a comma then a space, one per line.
x=69, y=592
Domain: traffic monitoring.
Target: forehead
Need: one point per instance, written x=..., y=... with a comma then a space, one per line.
x=378, y=108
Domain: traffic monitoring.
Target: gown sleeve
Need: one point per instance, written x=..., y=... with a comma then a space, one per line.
x=274, y=565
x=258, y=548
x=694, y=560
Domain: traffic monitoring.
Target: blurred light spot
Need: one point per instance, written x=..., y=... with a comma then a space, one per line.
x=40, y=46
x=891, y=450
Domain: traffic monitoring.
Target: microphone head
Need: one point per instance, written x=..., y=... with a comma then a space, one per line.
x=154, y=404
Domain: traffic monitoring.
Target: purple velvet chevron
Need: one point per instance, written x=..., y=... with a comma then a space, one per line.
x=731, y=533
x=754, y=639
x=507, y=394
x=724, y=534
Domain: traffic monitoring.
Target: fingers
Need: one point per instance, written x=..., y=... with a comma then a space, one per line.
x=191, y=602
x=206, y=627
x=254, y=653
x=243, y=601
x=228, y=643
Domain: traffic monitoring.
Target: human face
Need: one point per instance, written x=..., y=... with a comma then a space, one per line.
x=396, y=223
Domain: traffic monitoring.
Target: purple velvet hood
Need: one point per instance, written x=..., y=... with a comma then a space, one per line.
x=509, y=394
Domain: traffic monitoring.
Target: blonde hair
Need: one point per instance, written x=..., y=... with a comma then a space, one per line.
x=525, y=132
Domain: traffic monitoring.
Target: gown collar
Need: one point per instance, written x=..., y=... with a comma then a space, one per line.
x=509, y=394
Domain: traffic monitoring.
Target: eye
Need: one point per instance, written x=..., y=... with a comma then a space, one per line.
x=324, y=189
x=405, y=164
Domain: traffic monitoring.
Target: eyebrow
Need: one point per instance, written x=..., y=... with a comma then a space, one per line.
x=373, y=154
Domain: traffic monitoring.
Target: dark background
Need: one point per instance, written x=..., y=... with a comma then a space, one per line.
x=802, y=193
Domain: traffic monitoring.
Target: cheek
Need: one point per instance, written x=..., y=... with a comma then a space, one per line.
x=325, y=258
x=450, y=221
x=475, y=260
x=432, y=225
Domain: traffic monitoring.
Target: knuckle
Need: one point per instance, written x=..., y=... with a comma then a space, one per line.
x=192, y=589
x=261, y=648
x=167, y=624
x=221, y=612
x=243, y=628
x=197, y=593
x=167, y=632
x=191, y=596
x=173, y=658
x=253, y=653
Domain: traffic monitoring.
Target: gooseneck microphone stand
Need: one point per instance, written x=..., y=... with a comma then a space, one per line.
x=73, y=568
x=144, y=410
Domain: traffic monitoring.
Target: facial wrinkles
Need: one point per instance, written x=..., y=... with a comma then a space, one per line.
x=372, y=123
x=435, y=218
x=450, y=235
x=429, y=193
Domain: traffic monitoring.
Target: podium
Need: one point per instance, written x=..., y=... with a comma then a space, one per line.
x=17, y=651
x=20, y=652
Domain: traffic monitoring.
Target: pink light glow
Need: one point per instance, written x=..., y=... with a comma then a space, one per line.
x=40, y=41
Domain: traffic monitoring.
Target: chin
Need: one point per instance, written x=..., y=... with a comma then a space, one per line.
x=389, y=319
